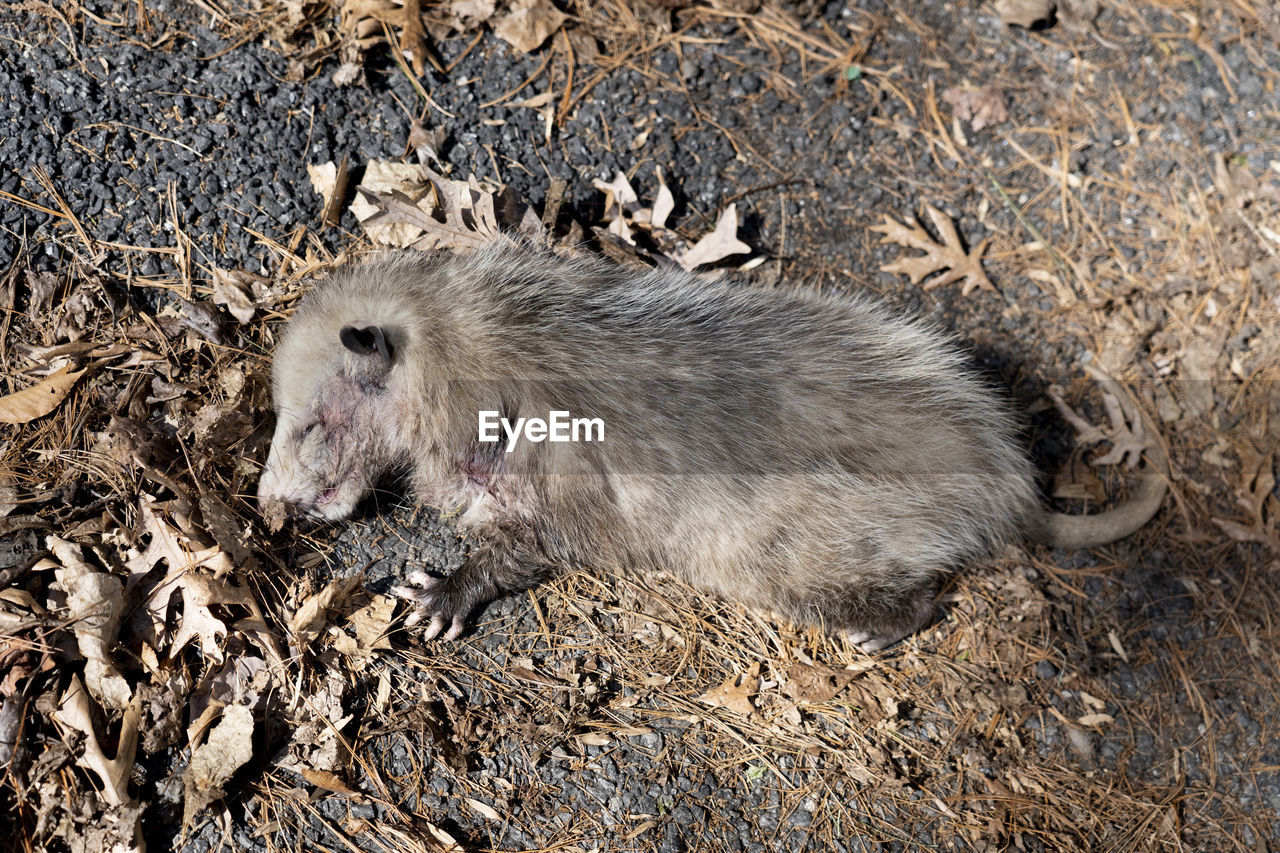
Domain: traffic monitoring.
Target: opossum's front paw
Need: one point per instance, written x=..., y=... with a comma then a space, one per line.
x=886, y=633
x=874, y=641
x=441, y=599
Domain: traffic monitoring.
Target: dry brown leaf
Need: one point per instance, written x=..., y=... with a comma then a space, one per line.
x=1127, y=432
x=381, y=178
x=171, y=547
x=528, y=24
x=330, y=782
x=318, y=743
x=1025, y=13
x=485, y=810
x=813, y=684
x=75, y=712
x=468, y=13
x=624, y=215
x=948, y=255
x=618, y=193
x=875, y=697
x=1076, y=481
x=231, y=291
x=619, y=228
x=1078, y=15
x=242, y=681
x=1254, y=495
x=1238, y=185
x=718, y=245
x=228, y=747
x=736, y=692
x=980, y=107
x=523, y=669
x=43, y=286
x=413, y=36
x=199, y=592
x=445, y=843
x=426, y=144
x=197, y=573
x=372, y=624
x=395, y=210
x=398, y=204
x=465, y=204
x=40, y=399
x=663, y=205
x=95, y=604
x=1201, y=353
x=227, y=529
x=324, y=180
x=537, y=101
x=362, y=21
x=313, y=616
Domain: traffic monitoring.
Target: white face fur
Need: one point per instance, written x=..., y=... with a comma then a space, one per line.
x=333, y=419
x=304, y=471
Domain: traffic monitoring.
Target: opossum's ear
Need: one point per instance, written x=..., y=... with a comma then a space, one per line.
x=366, y=340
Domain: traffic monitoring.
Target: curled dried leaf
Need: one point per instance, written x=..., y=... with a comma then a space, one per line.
x=230, y=290
x=40, y=399
x=718, y=245
x=95, y=601
x=528, y=24
x=312, y=617
x=1025, y=13
x=228, y=747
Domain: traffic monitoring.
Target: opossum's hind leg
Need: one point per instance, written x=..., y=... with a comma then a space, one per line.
x=499, y=562
x=875, y=619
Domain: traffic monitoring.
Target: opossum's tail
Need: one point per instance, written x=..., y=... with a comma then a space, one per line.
x=1060, y=530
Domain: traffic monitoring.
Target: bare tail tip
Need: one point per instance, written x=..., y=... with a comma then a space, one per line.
x=1060, y=530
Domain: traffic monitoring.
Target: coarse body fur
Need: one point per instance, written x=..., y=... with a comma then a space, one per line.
x=811, y=455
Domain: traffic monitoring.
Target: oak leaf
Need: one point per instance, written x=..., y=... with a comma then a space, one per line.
x=1255, y=495
x=75, y=712
x=736, y=692
x=948, y=255
x=1127, y=433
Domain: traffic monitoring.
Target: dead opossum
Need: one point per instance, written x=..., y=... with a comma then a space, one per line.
x=811, y=455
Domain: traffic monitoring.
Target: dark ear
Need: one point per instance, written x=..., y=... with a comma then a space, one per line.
x=366, y=341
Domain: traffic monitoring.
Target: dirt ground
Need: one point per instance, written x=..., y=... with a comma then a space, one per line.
x=176, y=675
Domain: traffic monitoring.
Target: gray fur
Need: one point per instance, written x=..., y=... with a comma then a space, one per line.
x=812, y=455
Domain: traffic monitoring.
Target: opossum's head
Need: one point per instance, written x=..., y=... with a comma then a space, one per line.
x=337, y=385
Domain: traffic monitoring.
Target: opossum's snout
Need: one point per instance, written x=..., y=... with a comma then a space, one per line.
x=309, y=473
x=335, y=423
